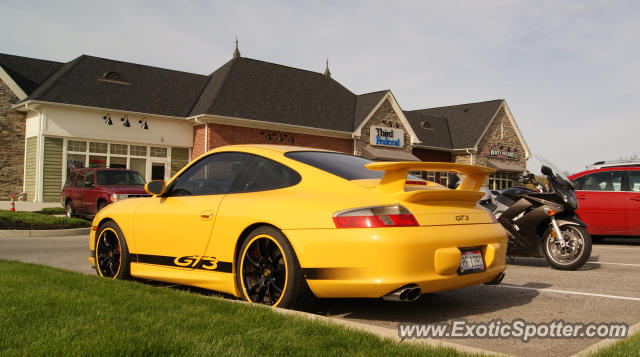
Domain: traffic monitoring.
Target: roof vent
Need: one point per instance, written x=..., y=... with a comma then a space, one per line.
x=466, y=110
x=426, y=125
x=113, y=77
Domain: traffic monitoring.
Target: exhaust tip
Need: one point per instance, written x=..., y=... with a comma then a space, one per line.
x=413, y=294
x=406, y=293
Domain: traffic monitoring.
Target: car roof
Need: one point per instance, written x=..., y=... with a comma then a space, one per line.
x=604, y=169
x=271, y=147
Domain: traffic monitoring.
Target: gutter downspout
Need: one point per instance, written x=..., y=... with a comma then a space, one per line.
x=39, y=159
x=470, y=153
x=355, y=141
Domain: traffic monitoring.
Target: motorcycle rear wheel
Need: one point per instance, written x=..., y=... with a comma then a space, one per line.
x=574, y=254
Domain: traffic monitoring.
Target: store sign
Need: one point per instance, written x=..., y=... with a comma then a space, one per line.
x=386, y=136
x=500, y=154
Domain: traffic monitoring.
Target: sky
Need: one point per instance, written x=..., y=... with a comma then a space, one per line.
x=569, y=70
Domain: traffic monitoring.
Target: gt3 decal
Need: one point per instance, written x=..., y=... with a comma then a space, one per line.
x=189, y=261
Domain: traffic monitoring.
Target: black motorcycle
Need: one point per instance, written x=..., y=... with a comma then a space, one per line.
x=542, y=222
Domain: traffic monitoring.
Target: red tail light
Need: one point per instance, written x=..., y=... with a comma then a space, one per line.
x=371, y=217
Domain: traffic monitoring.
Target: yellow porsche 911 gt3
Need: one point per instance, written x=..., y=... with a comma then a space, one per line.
x=283, y=226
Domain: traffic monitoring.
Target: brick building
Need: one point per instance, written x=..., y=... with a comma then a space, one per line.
x=104, y=113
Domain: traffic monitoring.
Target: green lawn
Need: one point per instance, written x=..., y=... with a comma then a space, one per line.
x=33, y=220
x=628, y=347
x=46, y=311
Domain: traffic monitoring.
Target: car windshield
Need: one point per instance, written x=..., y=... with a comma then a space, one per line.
x=120, y=178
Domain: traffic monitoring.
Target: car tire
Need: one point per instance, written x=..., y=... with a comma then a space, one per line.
x=69, y=211
x=556, y=257
x=101, y=206
x=268, y=272
x=111, y=252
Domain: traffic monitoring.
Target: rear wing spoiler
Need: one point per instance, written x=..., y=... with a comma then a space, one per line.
x=395, y=177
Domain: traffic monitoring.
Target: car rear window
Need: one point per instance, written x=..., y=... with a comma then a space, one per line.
x=348, y=167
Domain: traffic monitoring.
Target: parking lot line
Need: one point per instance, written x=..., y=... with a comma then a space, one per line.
x=626, y=264
x=568, y=292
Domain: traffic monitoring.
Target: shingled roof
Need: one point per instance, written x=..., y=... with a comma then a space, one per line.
x=466, y=122
x=365, y=104
x=252, y=89
x=103, y=83
x=241, y=88
x=431, y=130
x=27, y=73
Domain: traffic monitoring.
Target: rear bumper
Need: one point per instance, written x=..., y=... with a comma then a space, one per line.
x=372, y=262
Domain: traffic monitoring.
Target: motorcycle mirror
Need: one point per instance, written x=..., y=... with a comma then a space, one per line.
x=546, y=170
x=453, y=181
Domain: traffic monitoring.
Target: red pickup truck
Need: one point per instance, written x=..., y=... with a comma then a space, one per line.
x=89, y=190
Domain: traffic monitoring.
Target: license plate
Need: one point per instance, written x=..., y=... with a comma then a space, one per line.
x=471, y=261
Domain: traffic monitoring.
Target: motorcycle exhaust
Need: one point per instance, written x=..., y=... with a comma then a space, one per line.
x=496, y=281
x=407, y=293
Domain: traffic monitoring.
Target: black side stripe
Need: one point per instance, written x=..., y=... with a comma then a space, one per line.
x=222, y=267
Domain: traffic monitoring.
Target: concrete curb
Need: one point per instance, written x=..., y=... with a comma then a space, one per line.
x=25, y=233
x=606, y=343
x=389, y=333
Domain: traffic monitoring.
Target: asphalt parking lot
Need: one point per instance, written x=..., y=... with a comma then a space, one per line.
x=606, y=289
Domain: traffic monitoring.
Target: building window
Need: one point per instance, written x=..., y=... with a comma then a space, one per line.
x=119, y=149
x=78, y=146
x=98, y=147
x=138, y=150
x=500, y=180
x=158, y=152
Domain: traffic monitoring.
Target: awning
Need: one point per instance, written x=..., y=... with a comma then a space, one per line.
x=371, y=153
x=504, y=166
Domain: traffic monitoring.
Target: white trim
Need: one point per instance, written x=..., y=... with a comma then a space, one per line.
x=15, y=88
x=37, y=102
x=486, y=128
x=517, y=130
x=413, y=138
x=259, y=124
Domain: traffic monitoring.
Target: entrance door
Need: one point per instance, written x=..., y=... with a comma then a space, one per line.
x=158, y=170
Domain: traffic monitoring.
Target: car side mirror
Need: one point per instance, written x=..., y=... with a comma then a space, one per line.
x=155, y=187
x=546, y=170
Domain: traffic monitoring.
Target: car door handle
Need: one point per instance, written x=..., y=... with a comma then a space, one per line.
x=582, y=197
x=637, y=198
x=206, y=215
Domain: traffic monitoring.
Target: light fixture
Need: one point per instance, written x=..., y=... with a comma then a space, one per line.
x=107, y=119
x=397, y=125
x=126, y=121
x=268, y=137
x=291, y=140
x=280, y=138
x=144, y=124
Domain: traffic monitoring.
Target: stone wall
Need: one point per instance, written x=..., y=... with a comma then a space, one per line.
x=12, y=130
x=386, y=113
x=220, y=135
x=501, y=134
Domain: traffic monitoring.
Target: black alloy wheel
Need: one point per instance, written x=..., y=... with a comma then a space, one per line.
x=112, y=256
x=268, y=271
x=264, y=271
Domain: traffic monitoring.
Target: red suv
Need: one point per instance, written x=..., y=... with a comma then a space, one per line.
x=89, y=190
x=609, y=200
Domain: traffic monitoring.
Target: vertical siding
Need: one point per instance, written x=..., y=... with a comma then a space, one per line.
x=30, y=172
x=179, y=158
x=52, y=183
